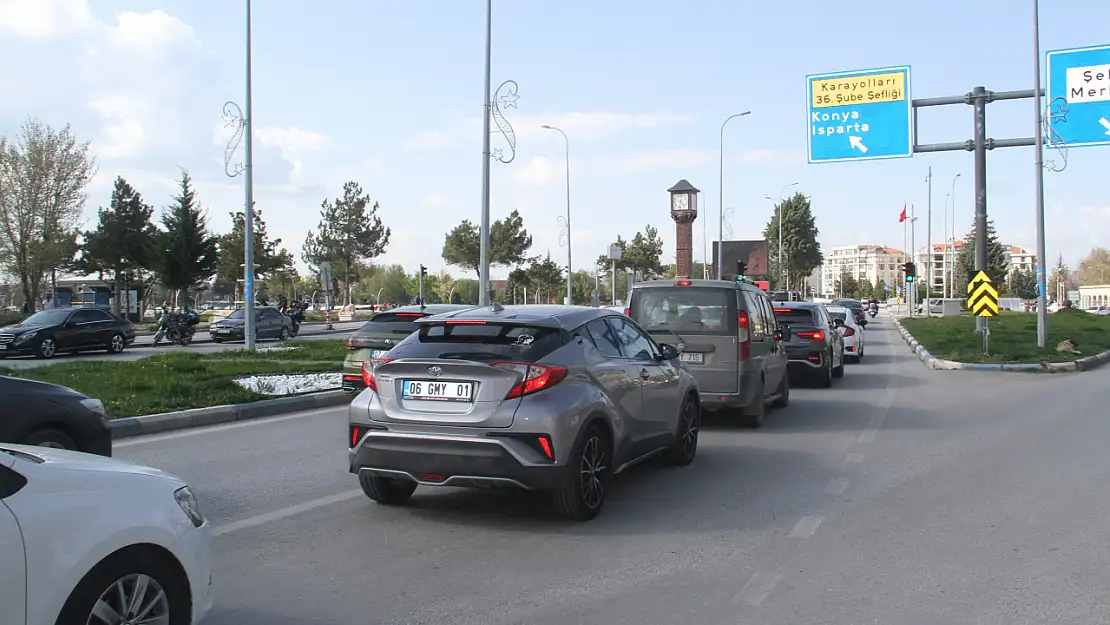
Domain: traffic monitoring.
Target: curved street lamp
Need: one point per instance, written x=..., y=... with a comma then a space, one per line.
x=721, y=196
x=566, y=226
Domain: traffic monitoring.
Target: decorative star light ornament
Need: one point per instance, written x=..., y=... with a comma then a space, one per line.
x=233, y=118
x=499, y=101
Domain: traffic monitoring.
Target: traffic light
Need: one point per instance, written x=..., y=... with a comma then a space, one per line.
x=741, y=269
x=423, y=271
x=909, y=269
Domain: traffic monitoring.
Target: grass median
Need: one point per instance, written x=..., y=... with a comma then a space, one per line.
x=183, y=379
x=1013, y=337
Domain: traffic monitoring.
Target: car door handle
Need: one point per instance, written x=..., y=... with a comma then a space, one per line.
x=644, y=374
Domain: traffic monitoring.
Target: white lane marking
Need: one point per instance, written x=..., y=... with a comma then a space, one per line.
x=284, y=513
x=758, y=587
x=871, y=430
x=837, y=486
x=854, y=458
x=213, y=429
x=806, y=526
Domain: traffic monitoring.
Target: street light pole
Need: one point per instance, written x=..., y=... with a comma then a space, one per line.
x=782, y=268
x=570, y=267
x=721, y=198
x=952, y=263
x=483, y=232
x=1042, y=296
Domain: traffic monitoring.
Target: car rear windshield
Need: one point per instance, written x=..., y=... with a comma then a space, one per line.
x=838, y=315
x=481, y=341
x=801, y=316
x=685, y=310
x=848, y=303
x=392, y=323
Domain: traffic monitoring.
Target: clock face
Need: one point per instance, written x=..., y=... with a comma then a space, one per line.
x=680, y=202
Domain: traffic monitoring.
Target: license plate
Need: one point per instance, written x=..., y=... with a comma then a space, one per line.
x=3, y=347
x=696, y=358
x=434, y=390
x=223, y=331
x=378, y=353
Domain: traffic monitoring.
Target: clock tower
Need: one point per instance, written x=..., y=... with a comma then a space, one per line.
x=684, y=210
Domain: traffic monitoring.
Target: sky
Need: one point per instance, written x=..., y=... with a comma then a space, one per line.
x=389, y=94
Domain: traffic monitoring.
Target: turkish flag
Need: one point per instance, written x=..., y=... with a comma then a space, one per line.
x=902, y=216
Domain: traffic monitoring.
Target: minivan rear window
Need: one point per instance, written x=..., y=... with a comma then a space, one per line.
x=685, y=310
x=794, y=315
x=392, y=323
x=481, y=341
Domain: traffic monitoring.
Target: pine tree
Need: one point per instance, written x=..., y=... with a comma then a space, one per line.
x=269, y=256
x=801, y=253
x=998, y=259
x=124, y=241
x=186, y=251
x=349, y=231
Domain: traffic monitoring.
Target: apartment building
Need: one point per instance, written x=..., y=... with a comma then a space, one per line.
x=866, y=263
x=943, y=256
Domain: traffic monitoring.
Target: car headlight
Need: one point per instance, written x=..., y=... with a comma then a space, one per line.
x=26, y=336
x=188, y=502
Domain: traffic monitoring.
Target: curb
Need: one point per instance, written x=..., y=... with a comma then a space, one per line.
x=939, y=364
x=197, y=417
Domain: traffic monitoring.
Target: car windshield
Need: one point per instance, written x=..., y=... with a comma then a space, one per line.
x=800, y=316
x=479, y=340
x=686, y=310
x=238, y=313
x=50, y=317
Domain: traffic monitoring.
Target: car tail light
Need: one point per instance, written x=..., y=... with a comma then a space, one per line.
x=683, y=283
x=466, y=323
x=816, y=335
x=546, y=446
x=536, y=377
x=849, y=331
x=356, y=434
x=743, y=335
x=368, y=367
x=782, y=310
x=627, y=312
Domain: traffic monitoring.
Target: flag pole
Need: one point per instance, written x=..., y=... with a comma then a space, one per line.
x=905, y=245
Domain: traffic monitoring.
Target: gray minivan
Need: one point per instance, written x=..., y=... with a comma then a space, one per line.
x=729, y=340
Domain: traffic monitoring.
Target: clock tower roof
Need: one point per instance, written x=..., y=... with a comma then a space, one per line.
x=683, y=186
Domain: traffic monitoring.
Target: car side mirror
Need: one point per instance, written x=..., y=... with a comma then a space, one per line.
x=779, y=335
x=863, y=323
x=838, y=322
x=667, y=351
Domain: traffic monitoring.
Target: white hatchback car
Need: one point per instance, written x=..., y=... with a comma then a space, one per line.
x=851, y=330
x=90, y=540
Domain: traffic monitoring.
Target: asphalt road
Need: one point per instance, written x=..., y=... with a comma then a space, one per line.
x=855, y=505
x=144, y=349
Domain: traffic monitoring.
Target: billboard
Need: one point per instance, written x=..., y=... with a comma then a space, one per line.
x=752, y=252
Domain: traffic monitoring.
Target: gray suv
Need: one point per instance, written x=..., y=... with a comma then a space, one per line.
x=554, y=398
x=728, y=338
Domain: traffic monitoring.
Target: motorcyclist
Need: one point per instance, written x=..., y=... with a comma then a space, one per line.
x=163, y=322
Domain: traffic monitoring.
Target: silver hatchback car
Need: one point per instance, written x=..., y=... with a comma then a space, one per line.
x=553, y=398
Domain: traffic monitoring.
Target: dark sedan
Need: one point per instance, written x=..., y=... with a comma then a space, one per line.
x=814, y=347
x=48, y=415
x=854, y=305
x=48, y=332
x=269, y=323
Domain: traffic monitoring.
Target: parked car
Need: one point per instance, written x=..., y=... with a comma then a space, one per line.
x=728, y=337
x=814, y=344
x=54, y=330
x=270, y=323
x=850, y=330
x=378, y=335
x=37, y=413
x=86, y=539
x=551, y=398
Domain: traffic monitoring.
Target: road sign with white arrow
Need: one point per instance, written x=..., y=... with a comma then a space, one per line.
x=860, y=116
x=1079, y=95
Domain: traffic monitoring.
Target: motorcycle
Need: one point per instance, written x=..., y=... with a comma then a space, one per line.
x=177, y=329
x=296, y=314
x=874, y=310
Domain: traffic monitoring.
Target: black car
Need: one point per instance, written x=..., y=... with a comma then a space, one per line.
x=48, y=332
x=814, y=346
x=853, y=305
x=37, y=413
x=269, y=323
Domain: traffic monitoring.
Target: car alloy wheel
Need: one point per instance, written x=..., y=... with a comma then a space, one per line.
x=592, y=472
x=136, y=599
x=48, y=348
x=116, y=346
x=689, y=428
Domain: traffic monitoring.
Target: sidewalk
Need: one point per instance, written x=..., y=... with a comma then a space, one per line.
x=146, y=338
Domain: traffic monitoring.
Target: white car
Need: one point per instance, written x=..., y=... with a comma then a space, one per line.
x=851, y=330
x=90, y=540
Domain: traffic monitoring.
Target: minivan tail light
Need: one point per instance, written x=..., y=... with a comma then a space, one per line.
x=743, y=335
x=368, y=367
x=816, y=335
x=535, y=378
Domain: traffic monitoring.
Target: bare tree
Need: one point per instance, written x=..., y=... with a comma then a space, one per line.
x=43, y=176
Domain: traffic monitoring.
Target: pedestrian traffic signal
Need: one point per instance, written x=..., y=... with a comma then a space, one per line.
x=741, y=269
x=908, y=268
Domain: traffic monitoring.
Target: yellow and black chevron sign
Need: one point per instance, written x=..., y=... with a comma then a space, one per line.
x=982, y=297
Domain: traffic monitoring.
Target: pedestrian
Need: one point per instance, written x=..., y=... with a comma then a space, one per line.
x=283, y=303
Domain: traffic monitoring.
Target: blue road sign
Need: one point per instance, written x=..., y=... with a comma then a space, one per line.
x=1079, y=95
x=860, y=116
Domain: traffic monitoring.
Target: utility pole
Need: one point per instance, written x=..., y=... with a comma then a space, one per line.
x=929, y=238
x=1042, y=295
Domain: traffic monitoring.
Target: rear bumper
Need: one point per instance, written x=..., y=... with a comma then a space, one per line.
x=440, y=460
x=353, y=383
x=806, y=364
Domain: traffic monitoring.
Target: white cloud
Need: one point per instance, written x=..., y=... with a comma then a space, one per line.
x=42, y=20
x=435, y=201
x=689, y=158
x=539, y=172
x=293, y=143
